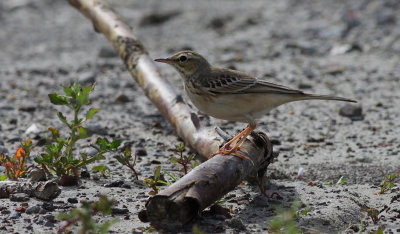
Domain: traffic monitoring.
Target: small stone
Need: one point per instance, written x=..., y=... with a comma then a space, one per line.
x=157, y=18
x=261, y=201
x=33, y=210
x=72, y=200
x=96, y=129
x=50, y=218
x=19, y=197
x=122, y=98
x=118, y=211
x=48, y=224
x=48, y=206
x=117, y=183
x=87, y=78
x=85, y=175
x=141, y=152
x=236, y=223
x=107, y=52
x=14, y=215
x=354, y=112
x=38, y=175
x=27, y=108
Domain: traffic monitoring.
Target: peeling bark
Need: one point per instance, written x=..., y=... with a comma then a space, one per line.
x=42, y=190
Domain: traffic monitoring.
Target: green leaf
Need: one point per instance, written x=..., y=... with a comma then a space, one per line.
x=115, y=144
x=174, y=160
x=91, y=113
x=379, y=231
x=82, y=132
x=57, y=99
x=120, y=159
x=157, y=173
x=69, y=92
x=3, y=177
x=62, y=118
x=83, y=96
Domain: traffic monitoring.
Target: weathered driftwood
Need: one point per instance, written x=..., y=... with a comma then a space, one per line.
x=42, y=190
x=205, y=184
x=187, y=125
x=215, y=177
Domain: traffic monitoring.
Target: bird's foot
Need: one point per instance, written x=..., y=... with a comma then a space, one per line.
x=226, y=150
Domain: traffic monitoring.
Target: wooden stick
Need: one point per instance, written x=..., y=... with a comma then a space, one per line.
x=207, y=183
x=187, y=125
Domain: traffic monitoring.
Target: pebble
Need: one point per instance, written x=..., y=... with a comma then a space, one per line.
x=122, y=98
x=141, y=152
x=354, y=112
x=33, y=210
x=156, y=18
x=117, y=183
x=48, y=206
x=19, y=197
x=236, y=223
x=85, y=175
x=107, y=52
x=116, y=211
x=38, y=175
x=96, y=129
x=14, y=215
x=87, y=78
x=260, y=201
x=50, y=218
x=72, y=200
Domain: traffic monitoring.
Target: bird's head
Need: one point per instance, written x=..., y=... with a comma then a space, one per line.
x=187, y=63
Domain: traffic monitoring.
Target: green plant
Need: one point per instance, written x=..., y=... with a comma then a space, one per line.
x=373, y=214
x=16, y=166
x=125, y=160
x=153, y=183
x=285, y=220
x=85, y=214
x=388, y=183
x=59, y=156
x=183, y=160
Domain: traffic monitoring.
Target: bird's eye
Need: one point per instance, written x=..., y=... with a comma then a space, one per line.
x=183, y=58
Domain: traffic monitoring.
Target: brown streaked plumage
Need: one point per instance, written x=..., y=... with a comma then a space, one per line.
x=232, y=95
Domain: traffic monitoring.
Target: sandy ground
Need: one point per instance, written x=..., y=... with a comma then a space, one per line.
x=345, y=48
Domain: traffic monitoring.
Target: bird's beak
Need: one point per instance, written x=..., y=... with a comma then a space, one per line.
x=166, y=60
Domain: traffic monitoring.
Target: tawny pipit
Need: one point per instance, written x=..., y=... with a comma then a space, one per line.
x=232, y=95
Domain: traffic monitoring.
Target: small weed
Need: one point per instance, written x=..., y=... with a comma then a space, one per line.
x=373, y=214
x=125, y=159
x=342, y=180
x=85, y=215
x=16, y=166
x=59, y=156
x=148, y=229
x=103, y=169
x=154, y=182
x=388, y=183
x=285, y=220
x=183, y=160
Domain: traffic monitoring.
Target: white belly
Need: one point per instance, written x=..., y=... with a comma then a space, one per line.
x=238, y=107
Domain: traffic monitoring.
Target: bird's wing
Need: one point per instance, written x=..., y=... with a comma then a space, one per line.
x=226, y=81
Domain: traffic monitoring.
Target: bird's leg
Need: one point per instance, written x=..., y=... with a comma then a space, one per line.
x=226, y=149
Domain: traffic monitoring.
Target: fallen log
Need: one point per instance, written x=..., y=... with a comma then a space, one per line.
x=41, y=190
x=183, y=200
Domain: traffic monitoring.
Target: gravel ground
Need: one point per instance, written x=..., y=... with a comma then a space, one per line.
x=345, y=48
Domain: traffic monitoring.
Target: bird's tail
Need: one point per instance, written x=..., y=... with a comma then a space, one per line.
x=308, y=96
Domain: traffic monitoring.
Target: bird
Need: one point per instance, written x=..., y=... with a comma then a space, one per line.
x=233, y=95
